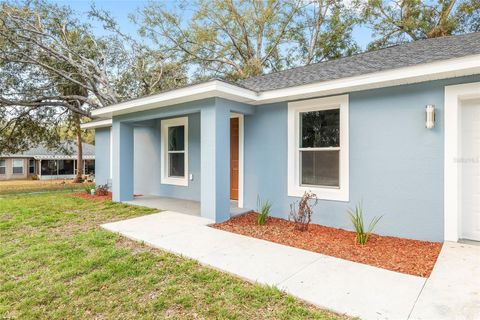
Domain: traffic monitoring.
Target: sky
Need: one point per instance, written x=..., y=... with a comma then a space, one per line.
x=120, y=9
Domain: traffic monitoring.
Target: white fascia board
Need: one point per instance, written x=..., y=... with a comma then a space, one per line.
x=413, y=74
x=444, y=69
x=214, y=88
x=97, y=124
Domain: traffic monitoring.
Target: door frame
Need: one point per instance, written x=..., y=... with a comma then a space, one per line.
x=454, y=95
x=240, y=156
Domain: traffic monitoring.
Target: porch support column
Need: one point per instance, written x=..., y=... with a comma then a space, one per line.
x=215, y=161
x=122, y=180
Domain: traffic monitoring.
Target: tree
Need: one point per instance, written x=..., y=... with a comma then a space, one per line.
x=148, y=70
x=59, y=58
x=243, y=38
x=402, y=21
x=54, y=71
x=324, y=31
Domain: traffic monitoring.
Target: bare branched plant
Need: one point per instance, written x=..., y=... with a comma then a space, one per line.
x=301, y=212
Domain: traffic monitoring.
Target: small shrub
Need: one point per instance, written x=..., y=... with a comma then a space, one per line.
x=88, y=187
x=303, y=215
x=102, y=190
x=263, y=208
x=356, y=217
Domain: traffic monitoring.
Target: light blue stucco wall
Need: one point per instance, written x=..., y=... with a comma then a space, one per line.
x=396, y=164
x=147, y=160
x=102, y=155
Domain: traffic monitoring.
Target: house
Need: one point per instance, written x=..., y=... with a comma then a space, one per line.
x=44, y=163
x=397, y=129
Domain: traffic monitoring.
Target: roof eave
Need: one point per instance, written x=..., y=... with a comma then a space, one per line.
x=214, y=88
x=97, y=124
x=437, y=70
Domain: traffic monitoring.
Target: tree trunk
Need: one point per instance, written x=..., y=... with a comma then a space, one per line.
x=79, y=176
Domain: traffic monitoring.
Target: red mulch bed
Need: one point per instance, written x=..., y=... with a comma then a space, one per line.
x=87, y=196
x=396, y=254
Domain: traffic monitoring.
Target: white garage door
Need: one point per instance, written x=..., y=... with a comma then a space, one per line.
x=470, y=170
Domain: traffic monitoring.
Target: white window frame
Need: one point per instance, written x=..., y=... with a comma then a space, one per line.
x=165, y=178
x=23, y=166
x=295, y=189
x=4, y=166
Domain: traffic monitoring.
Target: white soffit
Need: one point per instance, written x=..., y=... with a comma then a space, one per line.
x=216, y=88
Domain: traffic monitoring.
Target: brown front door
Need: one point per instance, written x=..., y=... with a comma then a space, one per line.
x=234, y=158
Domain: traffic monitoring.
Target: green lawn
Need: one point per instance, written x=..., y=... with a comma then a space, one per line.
x=21, y=186
x=55, y=262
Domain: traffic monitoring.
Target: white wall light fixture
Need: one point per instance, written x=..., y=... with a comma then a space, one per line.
x=430, y=116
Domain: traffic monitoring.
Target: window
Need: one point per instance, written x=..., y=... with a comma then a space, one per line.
x=17, y=165
x=89, y=166
x=31, y=166
x=318, y=148
x=3, y=167
x=175, y=151
x=49, y=168
x=66, y=167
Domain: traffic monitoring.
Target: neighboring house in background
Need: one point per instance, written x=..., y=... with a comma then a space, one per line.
x=397, y=128
x=46, y=164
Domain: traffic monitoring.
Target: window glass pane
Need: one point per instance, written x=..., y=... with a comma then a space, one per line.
x=177, y=164
x=31, y=166
x=17, y=163
x=320, y=129
x=65, y=167
x=176, y=138
x=89, y=166
x=17, y=166
x=49, y=167
x=2, y=167
x=320, y=168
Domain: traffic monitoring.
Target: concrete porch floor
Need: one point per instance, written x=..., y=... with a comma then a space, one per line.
x=189, y=207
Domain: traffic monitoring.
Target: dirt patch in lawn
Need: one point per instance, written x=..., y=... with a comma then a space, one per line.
x=87, y=196
x=396, y=254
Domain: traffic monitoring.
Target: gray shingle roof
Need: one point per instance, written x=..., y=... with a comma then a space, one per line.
x=410, y=54
x=44, y=152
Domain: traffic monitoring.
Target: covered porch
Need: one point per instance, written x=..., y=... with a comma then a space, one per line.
x=186, y=158
x=189, y=207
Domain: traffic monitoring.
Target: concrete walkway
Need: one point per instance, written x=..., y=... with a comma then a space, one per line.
x=331, y=283
x=453, y=289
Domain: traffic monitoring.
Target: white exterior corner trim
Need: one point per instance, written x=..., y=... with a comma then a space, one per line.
x=294, y=187
x=165, y=124
x=97, y=124
x=450, y=68
x=454, y=95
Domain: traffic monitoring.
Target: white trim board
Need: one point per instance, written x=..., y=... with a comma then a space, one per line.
x=444, y=69
x=454, y=95
x=106, y=123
